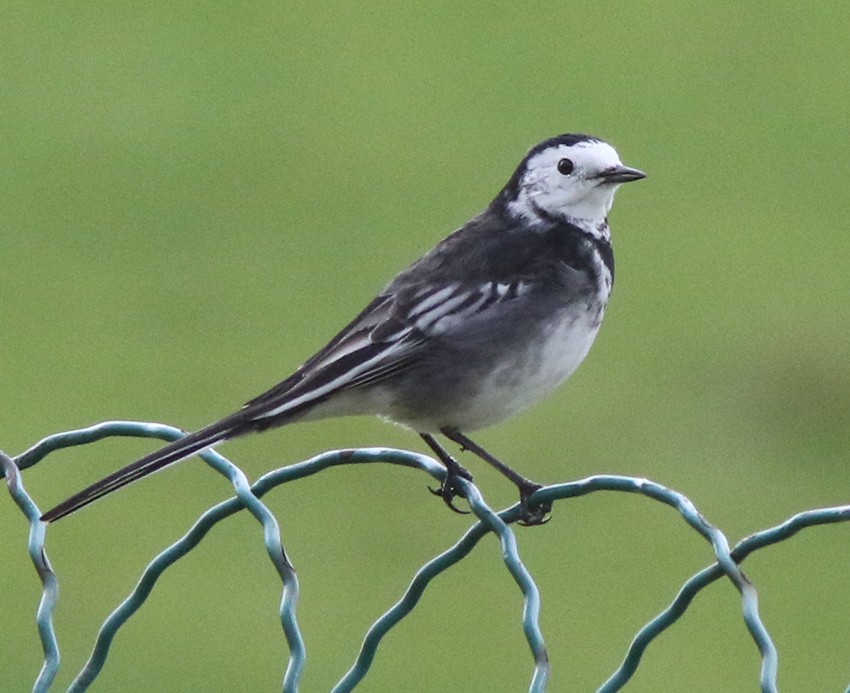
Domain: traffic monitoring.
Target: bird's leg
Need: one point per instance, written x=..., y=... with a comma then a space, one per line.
x=531, y=516
x=448, y=489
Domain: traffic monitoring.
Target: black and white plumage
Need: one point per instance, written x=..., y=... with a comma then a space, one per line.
x=485, y=324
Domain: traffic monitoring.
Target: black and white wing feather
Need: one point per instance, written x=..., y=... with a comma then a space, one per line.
x=384, y=340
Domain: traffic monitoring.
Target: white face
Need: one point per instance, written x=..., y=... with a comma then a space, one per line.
x=549, y=186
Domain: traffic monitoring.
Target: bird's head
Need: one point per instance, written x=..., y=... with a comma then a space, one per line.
x=569, y=177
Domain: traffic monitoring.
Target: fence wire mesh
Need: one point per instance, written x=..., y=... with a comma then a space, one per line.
x=725, y=563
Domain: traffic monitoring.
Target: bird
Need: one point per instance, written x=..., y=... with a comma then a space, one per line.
x=485, y=324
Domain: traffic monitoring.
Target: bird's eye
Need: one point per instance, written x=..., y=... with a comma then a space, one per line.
x=566, y=166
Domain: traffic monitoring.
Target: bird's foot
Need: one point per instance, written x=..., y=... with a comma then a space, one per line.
x=532, y=515
x=450, y=489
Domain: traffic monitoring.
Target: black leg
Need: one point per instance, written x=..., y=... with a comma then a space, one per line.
x=533, y=516
x=448, y=489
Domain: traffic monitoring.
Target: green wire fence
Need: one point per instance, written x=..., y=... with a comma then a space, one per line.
x=726, y=558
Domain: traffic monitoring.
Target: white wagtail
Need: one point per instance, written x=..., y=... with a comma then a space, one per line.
x=485, y=324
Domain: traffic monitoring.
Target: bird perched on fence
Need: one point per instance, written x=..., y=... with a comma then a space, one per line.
x=488, y=322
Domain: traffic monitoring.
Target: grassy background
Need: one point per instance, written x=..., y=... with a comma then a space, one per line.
x=194, y=196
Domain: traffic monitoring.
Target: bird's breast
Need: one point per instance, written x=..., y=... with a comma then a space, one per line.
x=487, y=369
x=468, y=395
x=528, y=376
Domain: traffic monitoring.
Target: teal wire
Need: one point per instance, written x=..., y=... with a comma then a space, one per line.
x=247, y=496
x=719, y=543
x=531, y=604
x=414, y=592
x=49, y=583
x=271, y=539
x=169, y=556
x=706, y=576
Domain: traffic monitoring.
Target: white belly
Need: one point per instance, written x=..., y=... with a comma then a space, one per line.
x=518, y=383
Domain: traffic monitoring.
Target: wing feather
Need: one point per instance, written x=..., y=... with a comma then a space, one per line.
x=384, y=340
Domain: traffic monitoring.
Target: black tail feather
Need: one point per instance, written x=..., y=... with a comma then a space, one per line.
x=170, y=454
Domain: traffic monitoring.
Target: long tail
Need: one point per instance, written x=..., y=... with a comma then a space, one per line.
x=159, y=459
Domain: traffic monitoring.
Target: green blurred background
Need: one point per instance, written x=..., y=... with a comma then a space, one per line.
x=194, y=196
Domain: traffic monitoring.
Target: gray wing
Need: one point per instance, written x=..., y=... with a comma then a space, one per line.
x=388, y=337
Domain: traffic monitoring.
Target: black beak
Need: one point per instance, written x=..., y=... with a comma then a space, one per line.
x=620, y=174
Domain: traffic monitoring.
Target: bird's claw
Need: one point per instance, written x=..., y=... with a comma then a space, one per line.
x=449, y=490
x=531, y=516
x=538, y=516
x=448, y=493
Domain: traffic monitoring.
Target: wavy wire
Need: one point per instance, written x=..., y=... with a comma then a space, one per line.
x=247, y=496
